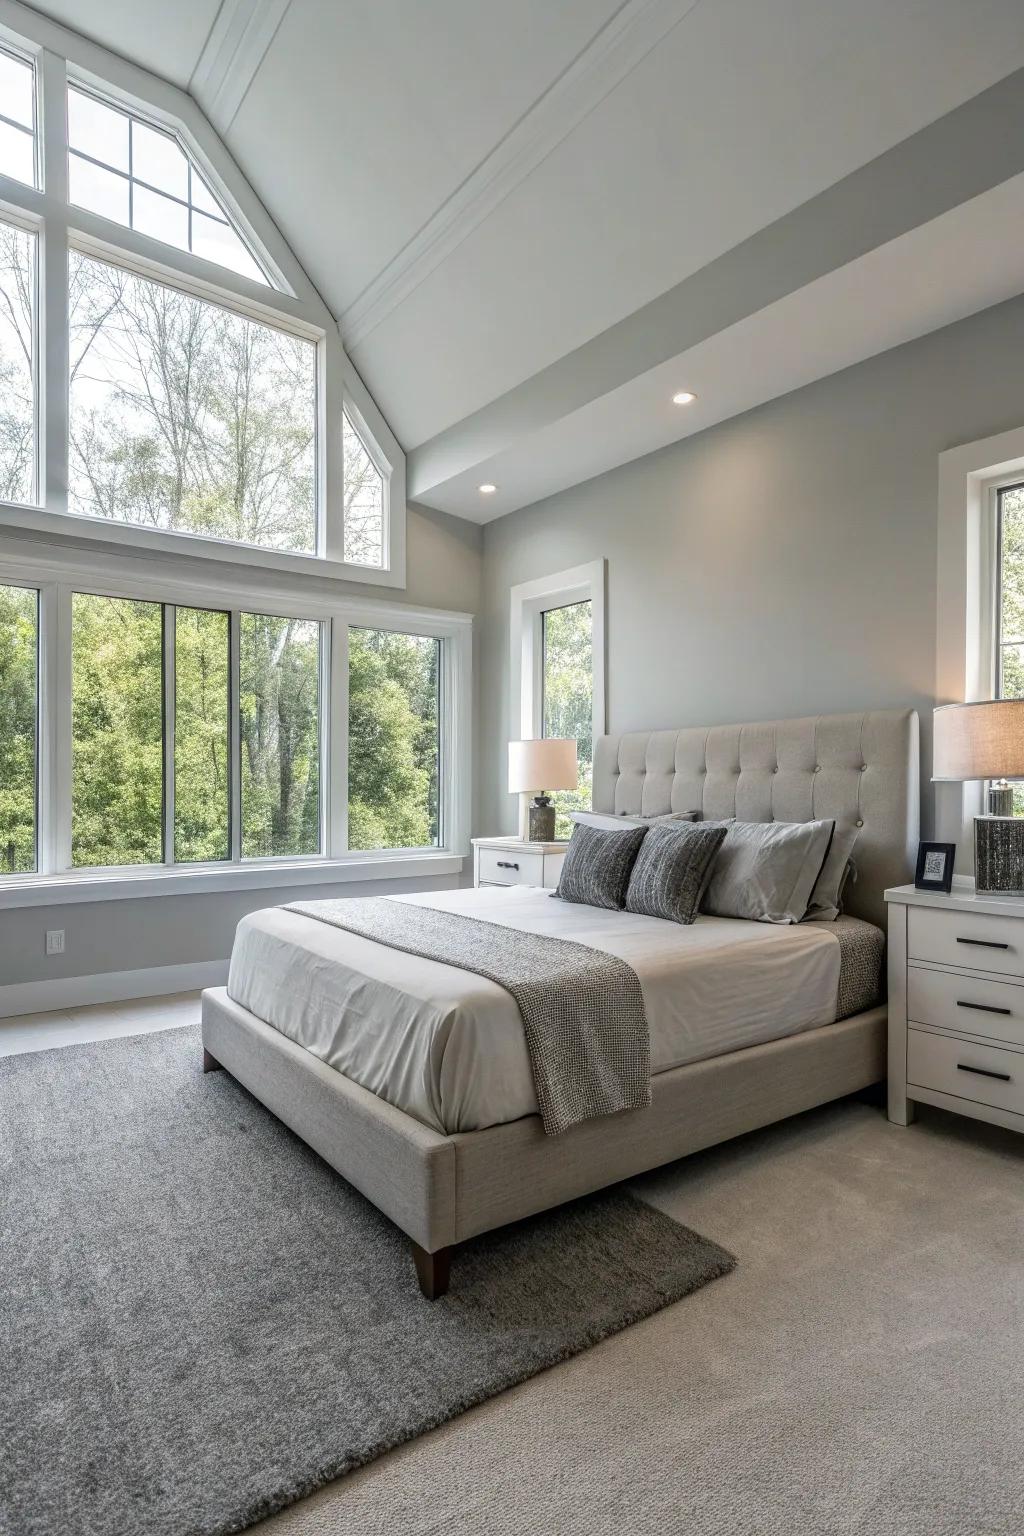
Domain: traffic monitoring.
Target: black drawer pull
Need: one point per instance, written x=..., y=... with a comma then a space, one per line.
x=984, y=1008
x=504, y=864
x=983, y=943
x=1003, y=1077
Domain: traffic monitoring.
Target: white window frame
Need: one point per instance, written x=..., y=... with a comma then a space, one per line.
x=61, y=55
x=58, y=573
x=966, y=603
x=530, y=600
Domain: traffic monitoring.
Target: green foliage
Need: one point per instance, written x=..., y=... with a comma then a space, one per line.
x=279, y=698
x=568, y=699
x=18, y=628
x=202, y=821
x=392, y=740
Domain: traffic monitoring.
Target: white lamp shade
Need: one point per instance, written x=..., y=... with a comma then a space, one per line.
x=979, y=741
x=537, y=765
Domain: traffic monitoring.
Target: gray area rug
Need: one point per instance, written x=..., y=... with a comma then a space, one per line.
x=200, y=1322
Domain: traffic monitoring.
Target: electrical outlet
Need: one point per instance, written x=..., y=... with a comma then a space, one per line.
x=55, y=941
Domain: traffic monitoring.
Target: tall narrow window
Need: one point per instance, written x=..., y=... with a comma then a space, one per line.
x=393, y=740
x=138, y=174
x=1009, y=658
x=202, y=814
x=279, y=700
x=116, y=731
x=188, y=417
x=364, y=501
x=17, y=118
x=17, y=363
x=568, y=698
x=19, y=645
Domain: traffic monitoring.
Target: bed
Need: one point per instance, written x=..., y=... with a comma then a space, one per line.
x=411, y=1077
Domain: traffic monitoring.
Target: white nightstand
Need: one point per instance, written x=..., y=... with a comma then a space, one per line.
x=510, y=861
x=956, y=1004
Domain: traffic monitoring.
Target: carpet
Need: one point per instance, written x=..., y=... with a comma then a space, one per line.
x=200, y=1322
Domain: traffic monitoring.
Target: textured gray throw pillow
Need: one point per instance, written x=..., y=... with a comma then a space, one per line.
x=597, y=866
x=766, y=870
x=611, y=823
x=672, y=869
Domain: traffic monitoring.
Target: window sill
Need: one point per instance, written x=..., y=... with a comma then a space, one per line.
x=120, y=885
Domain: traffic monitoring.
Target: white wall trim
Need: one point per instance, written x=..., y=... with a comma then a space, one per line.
x=109, y=987
x=963, y=615
x=232, y=54
x=621, y=44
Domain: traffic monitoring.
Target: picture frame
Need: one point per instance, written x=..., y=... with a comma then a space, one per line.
x=935, y=867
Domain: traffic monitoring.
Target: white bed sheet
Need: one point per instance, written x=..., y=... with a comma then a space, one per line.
x=448, y=1047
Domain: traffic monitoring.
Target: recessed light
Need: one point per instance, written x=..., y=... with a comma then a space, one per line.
x=684, y=397
x=487, y=490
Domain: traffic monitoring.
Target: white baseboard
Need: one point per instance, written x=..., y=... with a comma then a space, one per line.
x=109, y=987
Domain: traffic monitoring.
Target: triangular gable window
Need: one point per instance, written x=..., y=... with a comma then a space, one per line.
x=139, y=175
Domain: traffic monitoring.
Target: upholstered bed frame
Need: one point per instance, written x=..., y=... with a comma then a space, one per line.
x=861, y=769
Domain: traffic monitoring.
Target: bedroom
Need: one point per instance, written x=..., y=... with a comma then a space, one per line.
x=408, y=411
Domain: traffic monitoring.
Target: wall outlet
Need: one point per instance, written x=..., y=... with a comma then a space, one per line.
x=55, y=941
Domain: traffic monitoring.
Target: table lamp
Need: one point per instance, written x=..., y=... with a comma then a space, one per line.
x=534, y=767
x=986, y=741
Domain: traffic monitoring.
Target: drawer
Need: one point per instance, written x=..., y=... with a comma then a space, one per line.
x=982, y=1073
x=970, y=939
x=510, y=866
x=971, y=1005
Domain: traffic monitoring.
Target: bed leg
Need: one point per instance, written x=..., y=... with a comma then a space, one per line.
x=210, y=1063
x=433, y=1270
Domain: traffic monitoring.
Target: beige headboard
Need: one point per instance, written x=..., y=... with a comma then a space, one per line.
x=862, y=770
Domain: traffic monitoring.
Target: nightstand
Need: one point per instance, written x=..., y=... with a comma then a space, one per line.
x=956, y=1004
x=510, y=861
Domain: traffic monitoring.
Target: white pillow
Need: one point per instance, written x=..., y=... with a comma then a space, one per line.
x=609, y=823
x=766, y=870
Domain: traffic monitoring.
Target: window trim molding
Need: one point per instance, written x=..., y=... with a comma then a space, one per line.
x=969, y=477
x=60, y=55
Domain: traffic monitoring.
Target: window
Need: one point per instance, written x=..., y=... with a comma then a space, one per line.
x=187, y=417
x=394, y=745
x=1009, y=615
x=138, y=175
x=280, y=726
x=364, y=501
x=17, y=118
x=202, y=786
x=19, y=631
x=567, y=695
x=18, y=452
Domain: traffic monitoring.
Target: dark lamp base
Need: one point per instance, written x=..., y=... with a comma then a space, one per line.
x=999, y=854
x=542, y=820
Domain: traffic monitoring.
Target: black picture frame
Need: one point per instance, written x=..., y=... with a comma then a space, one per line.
x=925, y=877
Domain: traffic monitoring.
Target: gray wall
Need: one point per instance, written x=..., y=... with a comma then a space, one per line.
x=780, y=564
x=444, y=569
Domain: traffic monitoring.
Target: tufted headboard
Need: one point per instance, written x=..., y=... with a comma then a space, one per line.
x=862, y=770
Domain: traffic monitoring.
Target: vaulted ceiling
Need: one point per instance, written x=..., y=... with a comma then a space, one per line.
x=537, y=222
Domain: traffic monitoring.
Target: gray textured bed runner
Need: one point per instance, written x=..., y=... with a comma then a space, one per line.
x=583, y=1011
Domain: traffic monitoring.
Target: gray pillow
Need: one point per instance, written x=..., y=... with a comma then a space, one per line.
x=826, y=901
x=597, y=866
x=766, y=870
x=612, y=823
x=672, y=869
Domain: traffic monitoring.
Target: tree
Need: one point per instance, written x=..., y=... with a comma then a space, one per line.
x=17, y=729
x=568, y=699
x=17, y=330
x=392, y=740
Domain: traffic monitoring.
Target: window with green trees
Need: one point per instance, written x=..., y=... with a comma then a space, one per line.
x=202, y=789
x=568, y=699
x=19, y=644
x=280, y=730
x=394, y=744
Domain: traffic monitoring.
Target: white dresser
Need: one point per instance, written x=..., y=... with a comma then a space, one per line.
x=510, y=861
x=956, y=1004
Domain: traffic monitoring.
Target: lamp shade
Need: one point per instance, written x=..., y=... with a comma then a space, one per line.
x=979, y=741
x=537, y=765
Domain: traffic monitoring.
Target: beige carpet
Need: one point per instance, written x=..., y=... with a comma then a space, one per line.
x=862, y=1371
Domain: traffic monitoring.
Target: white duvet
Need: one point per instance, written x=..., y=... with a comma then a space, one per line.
x=447, y=1046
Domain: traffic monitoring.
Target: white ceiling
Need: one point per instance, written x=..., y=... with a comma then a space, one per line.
x=479, y=190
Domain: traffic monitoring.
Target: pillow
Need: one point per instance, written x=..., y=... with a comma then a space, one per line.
x=826, y=901
x=597, y=866
x=672, y=869
x=610, y=823
x=766, y=870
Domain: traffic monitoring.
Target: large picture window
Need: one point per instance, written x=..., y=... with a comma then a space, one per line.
x=19, y=646
x=280, y=721
x=188, y=417
x=393, y=740
x=567, y=698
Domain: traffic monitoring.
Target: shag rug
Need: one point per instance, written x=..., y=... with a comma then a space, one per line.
x=201, y=1322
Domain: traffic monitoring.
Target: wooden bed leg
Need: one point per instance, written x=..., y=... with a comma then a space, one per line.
x=210, y=1063
x=433, y=1270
